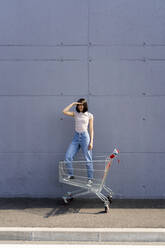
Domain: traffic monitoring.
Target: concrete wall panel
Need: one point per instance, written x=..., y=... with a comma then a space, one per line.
x=127, y=21
x=34, y=124
x=30, y=175
x=43, y=71
x=137, y=176
x=43, y=22
x=134, y=124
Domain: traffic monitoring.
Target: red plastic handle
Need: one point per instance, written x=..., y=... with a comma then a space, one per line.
x=112, y=156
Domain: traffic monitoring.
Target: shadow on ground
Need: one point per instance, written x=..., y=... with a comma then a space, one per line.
x=52, y=207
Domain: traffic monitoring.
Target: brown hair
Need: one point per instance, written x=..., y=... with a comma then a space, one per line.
x=84, y=102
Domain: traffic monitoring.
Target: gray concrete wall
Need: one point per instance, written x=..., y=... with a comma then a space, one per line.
x=111, y=52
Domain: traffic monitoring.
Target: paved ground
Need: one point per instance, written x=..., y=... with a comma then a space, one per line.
x=109, y=244
x=22, y=212
x=80, y=246
x=83, y=246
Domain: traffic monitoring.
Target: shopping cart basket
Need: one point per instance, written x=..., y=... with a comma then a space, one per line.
x=101, y=167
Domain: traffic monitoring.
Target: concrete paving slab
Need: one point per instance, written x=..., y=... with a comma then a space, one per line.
x=84, y=234
x=87, y=213
x=83, y=220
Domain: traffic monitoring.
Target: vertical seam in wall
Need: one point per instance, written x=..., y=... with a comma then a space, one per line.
x=88, y=37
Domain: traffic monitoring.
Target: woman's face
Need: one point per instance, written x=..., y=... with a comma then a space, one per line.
x=81, y=107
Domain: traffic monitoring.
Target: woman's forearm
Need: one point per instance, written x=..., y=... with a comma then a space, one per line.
x=68, y=107
x=91, y=135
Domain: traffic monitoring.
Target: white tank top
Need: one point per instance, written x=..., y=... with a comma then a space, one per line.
x=82, y=121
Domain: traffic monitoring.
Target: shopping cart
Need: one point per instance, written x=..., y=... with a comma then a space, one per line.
x=101, y=165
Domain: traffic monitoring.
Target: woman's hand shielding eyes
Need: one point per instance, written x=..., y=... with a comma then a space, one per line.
x=75, y=103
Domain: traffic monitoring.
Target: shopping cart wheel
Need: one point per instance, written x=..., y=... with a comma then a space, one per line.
x=109, y=199
x=69, y=196
x=67, y=199
x=106, y=209
x=70, y=199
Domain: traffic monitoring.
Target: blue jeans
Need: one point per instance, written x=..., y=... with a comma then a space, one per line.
x=80, y=140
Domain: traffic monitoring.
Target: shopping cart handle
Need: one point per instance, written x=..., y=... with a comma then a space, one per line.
x=115, y=153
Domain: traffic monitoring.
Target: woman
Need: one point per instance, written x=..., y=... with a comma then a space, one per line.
x=81, y=137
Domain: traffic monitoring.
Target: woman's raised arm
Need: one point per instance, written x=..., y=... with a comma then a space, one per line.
x=66, y=110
